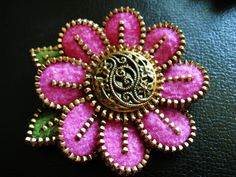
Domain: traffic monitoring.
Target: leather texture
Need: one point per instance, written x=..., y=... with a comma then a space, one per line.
x=210, y=30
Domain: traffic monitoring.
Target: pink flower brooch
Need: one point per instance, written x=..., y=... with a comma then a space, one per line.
x=116, y=91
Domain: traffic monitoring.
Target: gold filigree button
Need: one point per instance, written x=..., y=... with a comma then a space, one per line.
x=124, y=81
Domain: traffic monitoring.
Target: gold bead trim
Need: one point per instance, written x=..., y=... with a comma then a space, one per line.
x=182, y=78
x=85, y=127
x=178, y=54
x=121, y=33
x=153, y=142
x=38, y=141
x=33, y=53
x=119, y=116
x=185, y=102
x=83, y=46
x=43, y=67
x=125, y=135
x=157, y=45
x=110, y=161
x=167, y=121
x=62, y=143
x=134, y=12
x=50, y=124
x=66, y=84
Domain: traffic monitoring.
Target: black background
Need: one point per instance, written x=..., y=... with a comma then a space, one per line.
x=210, y=30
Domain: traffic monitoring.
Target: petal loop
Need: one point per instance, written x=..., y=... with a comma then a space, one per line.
x=59, y=82
x=76, y=119
x=82, y=39
x=126, y=24
x=167, y=129
x=110, y=143
x=166, y=43
x=184, y=83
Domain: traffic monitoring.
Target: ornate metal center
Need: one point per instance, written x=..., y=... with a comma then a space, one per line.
x=124, y=81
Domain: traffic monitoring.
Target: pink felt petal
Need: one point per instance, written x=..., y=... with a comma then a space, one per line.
x=182, y=89
x=61, y=71
x=162, y=133
x=131, y=25
x=73, y=122
x=113, y=144
x=168, y=48
x=90, y=38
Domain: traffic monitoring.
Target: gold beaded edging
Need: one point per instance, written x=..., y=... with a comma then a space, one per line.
x=185, y=102
x=37, y=141
x=33, y=53
x=125, y=171
x=62, y=143
x=119, y=116
x=153, y=142
x=66, y=84
x=132, y=11
x=43, y=67
x=121, y=33
x=125, y=136
x=83, y=46
x=178, y=54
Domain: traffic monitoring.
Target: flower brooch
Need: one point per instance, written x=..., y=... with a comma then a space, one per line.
x=116, y=91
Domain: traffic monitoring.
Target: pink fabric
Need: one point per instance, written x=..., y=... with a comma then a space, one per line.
x=132, y=28
x=61, y=72
x=168, y=48
x=182, y=89
x=162, y=133
x=72, y=124
x=89, y=37
x=113, y=143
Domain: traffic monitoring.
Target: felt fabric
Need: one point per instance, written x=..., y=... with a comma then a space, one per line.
x=66, y=72
x=131, y=28
x=182, y=89
x=73, y=122
x=113, y=143
x=49, y=53
x=89, y=37
x=168, y=48
x=44, y=117
x=162, y=133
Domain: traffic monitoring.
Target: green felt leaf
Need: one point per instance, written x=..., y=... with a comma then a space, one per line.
x=43, y=127
x=40, y=55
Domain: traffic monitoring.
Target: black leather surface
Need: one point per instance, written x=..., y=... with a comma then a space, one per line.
x=210, y=30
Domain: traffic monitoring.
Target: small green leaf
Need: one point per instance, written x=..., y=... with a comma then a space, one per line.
x=40, y=55
x=43, y=127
